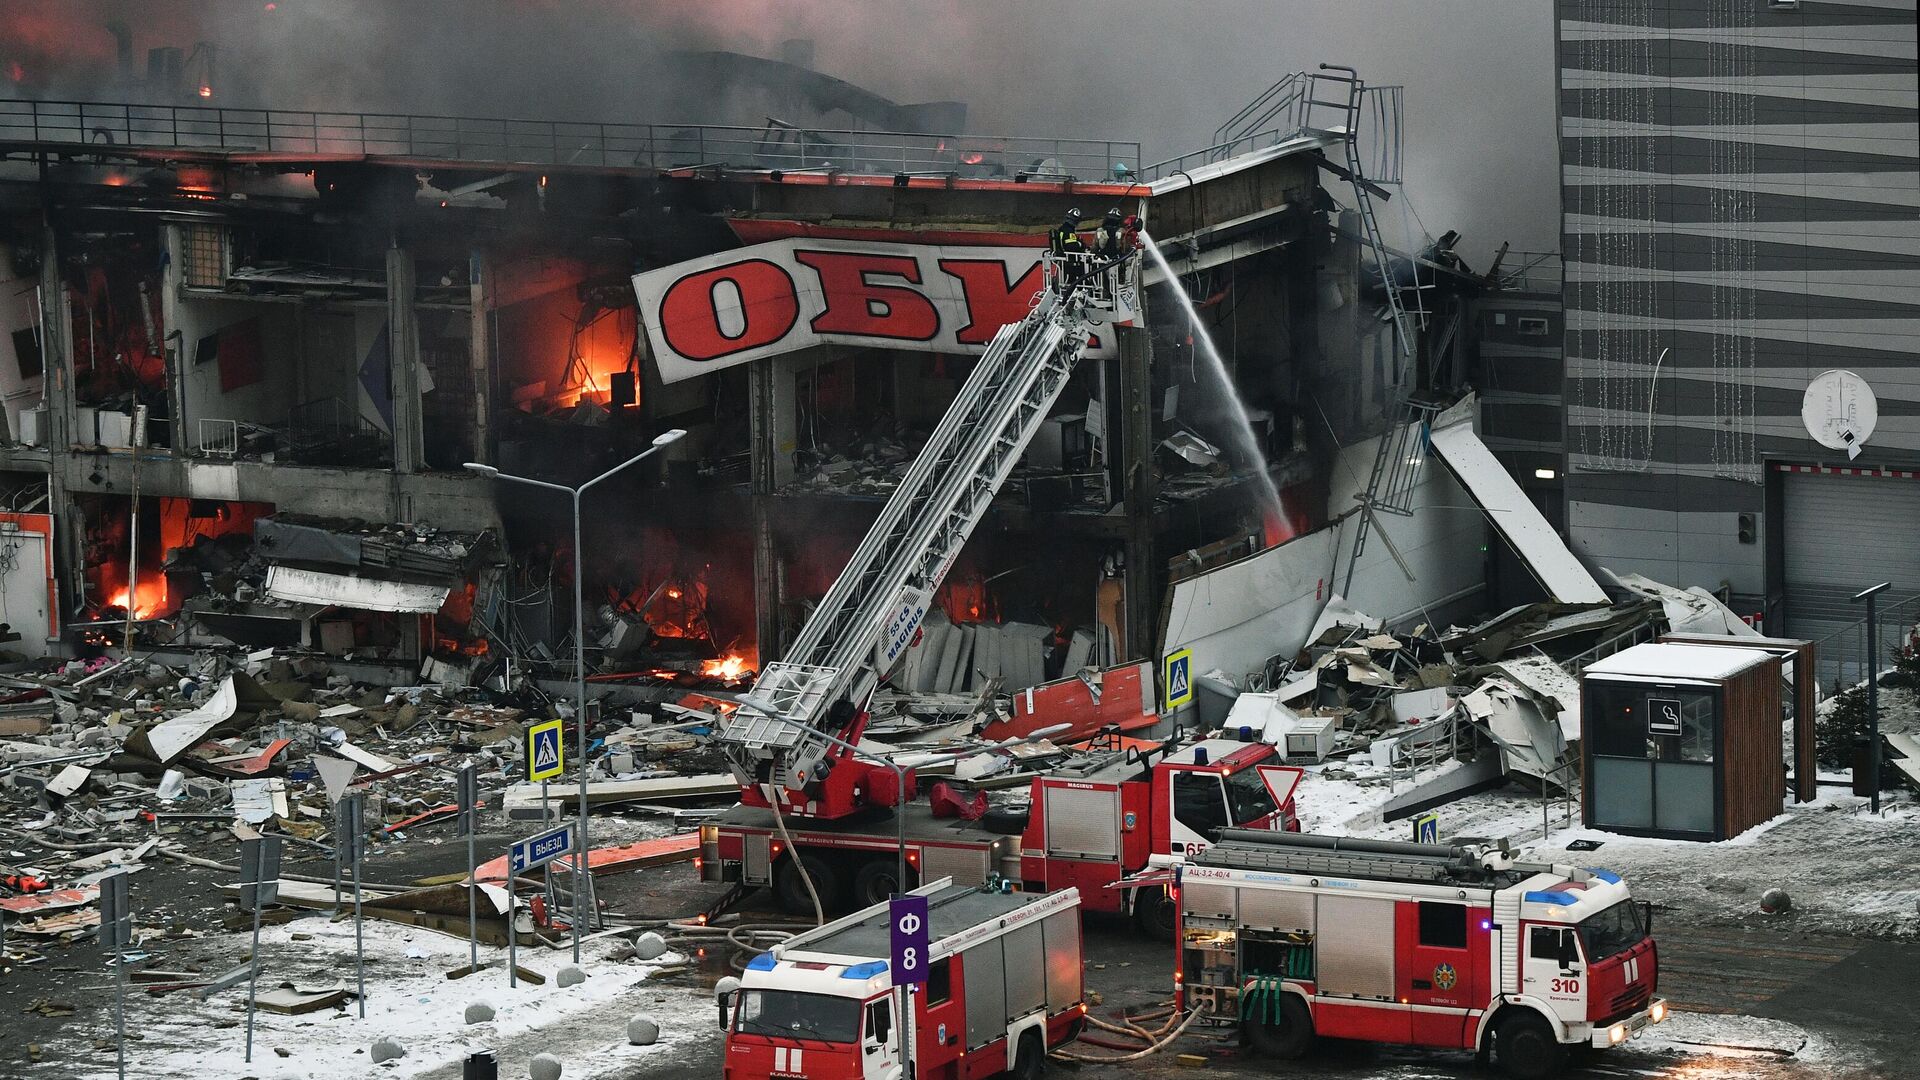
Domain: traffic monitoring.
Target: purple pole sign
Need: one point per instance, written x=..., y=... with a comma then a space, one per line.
x=907, y=930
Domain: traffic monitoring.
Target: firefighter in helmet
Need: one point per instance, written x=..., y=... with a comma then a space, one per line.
x=1065, y=239
x=1112, y=241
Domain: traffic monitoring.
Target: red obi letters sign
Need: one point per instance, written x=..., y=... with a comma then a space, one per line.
x=766, y=299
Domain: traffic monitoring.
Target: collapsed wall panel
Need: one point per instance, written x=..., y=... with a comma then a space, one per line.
x=1237, y=616
x=1518, y=520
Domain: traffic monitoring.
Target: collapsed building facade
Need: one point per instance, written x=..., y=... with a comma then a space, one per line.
x=238, y=336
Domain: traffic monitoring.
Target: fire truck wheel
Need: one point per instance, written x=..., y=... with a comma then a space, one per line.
x=1153, y=914
x=1031, y=1064
x=791, y=892
x=1527, y=1048
x=1288, y=1038
x=874, y=882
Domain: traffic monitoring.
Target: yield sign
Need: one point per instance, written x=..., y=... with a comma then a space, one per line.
x=336, y=773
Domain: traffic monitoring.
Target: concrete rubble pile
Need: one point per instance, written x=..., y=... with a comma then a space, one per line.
x=1500, y=697
x=107, y=763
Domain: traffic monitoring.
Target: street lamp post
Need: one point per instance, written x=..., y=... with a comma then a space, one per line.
x=1873, y=692
x=580, y=862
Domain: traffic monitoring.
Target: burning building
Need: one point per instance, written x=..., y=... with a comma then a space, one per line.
x=251, y=333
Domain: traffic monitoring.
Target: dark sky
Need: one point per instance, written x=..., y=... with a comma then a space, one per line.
x=1479, y=73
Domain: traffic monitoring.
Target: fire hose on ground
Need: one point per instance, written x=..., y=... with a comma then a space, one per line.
x=1156, y=1040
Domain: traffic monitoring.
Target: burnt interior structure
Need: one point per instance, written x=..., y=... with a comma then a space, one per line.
x=334, y=336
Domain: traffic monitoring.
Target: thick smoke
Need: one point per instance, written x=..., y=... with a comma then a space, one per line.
x=1480, y=98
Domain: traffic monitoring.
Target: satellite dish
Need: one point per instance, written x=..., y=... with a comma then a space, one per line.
x=1840, y=411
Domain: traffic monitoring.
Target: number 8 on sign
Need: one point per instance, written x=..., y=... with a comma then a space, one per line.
x=908, y=925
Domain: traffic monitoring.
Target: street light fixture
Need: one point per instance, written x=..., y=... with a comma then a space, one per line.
x=580, y=862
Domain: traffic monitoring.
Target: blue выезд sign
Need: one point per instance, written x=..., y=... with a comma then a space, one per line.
x=539, y=849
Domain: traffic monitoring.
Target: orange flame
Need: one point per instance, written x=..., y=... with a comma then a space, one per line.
x=149, y=596
x=729, y=667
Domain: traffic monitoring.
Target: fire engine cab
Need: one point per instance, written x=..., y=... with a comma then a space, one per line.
x=1003, y=988
x=1294, y=936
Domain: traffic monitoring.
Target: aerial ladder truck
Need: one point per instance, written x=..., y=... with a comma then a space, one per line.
x=790, y=741
x=812, y=821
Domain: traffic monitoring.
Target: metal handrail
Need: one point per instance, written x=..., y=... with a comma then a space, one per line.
x=556, y=142
x=1900, y=615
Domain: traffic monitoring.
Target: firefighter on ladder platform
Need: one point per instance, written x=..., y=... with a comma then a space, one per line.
x=1070, y=254
x=1065, y=239
x=1113, y=240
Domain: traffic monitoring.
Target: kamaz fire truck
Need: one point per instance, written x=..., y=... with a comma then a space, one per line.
x=1090, y=824
x=1294, y=936
x=1003, y=987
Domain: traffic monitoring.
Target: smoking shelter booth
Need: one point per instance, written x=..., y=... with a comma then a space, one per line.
x=1681, y=741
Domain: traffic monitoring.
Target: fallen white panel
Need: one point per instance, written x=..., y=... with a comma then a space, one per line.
x=361, y=594
x=1515, y=516
x=170, y=738
x=1530, y=742
x=365, y=759
x=70, y=780
x=1236, y=616
x=1692, y=610
x=1549, y=681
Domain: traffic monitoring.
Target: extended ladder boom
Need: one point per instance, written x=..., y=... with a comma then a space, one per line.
x=870, y=615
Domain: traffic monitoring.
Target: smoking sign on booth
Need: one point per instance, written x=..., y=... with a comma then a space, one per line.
x=786, y=295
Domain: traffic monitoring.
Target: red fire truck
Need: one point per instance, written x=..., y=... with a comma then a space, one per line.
x=1003, y=988
x=1295, y=936
x=1089, y=826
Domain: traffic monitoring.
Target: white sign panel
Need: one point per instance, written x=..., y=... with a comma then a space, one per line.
x=729, y=308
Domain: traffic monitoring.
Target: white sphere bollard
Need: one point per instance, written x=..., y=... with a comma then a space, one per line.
x=649, y=946
x=643, y=1030
x=570, y=976
x=544, y=1067
x=479, y=1012
x=387, y=1050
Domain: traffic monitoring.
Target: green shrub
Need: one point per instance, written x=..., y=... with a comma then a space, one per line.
x=1833, y=733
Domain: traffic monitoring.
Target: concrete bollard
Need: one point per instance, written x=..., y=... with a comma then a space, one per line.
x=544, y=1067
x=387, y=1050
x=479, y=1012
x=643, y=1030
x=570, y=976
x=649, y=946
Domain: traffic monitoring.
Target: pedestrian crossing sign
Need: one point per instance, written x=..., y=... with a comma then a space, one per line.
x=1426, y=829
x=545, y=757
x=1179, y=678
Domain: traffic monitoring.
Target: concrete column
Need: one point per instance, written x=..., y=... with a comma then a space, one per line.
x=403, y=350
x=56, y=346
x=177, y=349
x=766, y=555
x=480, y=346
x=1136, y=469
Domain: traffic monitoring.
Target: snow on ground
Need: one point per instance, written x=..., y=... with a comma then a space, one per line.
x=1734, y=1035
x=409, y=999
x=1846, y=870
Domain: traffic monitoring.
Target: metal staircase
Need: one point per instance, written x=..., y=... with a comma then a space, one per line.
x=870, y=615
